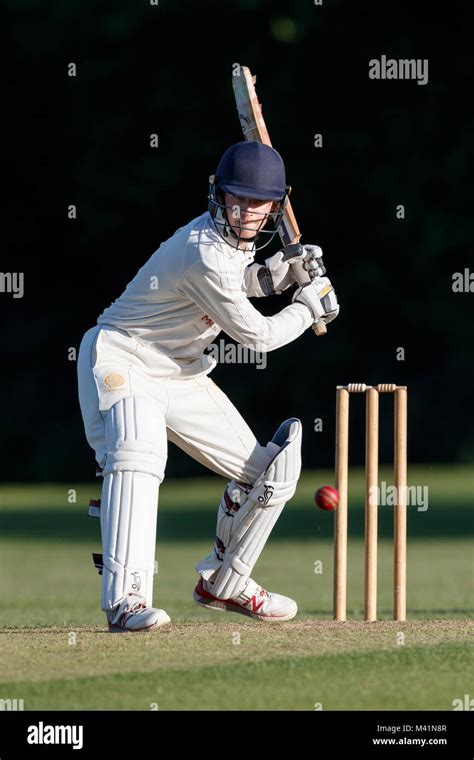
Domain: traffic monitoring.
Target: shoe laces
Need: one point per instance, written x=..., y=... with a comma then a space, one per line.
x=134, y=607
x=258, y=590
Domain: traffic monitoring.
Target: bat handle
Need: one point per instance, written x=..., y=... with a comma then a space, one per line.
x=302, y=277
x=320, y=328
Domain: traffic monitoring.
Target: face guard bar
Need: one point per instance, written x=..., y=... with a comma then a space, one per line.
x=218, y=211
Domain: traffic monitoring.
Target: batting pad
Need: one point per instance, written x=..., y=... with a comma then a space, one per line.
x=246, y=519
x=134, y=468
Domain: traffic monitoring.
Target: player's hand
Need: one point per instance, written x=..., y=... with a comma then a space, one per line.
x=320, y=298
x=281, y=272
x=313, y=261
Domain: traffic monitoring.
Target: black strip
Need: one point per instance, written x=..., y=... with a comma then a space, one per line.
x=265, y=281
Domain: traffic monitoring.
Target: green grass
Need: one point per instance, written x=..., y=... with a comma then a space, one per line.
x=49, y=589
x=202, y=666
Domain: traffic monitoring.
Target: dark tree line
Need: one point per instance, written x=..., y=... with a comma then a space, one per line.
x=166, y=69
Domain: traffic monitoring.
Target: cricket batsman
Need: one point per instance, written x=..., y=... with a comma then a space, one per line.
x=143, y=378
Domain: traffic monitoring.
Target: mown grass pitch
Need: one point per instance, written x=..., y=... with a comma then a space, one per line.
x=55, y=652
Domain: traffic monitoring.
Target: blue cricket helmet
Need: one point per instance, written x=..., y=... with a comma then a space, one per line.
x=252, y=170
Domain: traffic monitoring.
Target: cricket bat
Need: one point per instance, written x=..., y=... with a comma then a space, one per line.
x=254, y=128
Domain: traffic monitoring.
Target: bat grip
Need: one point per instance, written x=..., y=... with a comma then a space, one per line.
x=320, y=328
x=302, y=278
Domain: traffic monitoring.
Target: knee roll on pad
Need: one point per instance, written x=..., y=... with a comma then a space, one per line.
x=135, y=433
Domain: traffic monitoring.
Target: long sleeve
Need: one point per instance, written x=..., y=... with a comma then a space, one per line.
x=217, y=290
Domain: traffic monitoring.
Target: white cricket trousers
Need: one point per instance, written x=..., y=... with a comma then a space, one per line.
x=198, y=416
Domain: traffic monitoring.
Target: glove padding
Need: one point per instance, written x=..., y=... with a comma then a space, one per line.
x=281, y=272
x=313, y=261
x=320, y=298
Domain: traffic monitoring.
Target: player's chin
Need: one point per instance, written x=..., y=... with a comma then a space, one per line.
x=249, y=232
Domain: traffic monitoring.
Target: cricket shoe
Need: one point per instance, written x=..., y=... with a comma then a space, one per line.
x=254, y=601
x=133, y=614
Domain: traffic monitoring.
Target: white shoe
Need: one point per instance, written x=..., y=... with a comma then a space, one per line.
x=133, y=614
x=254, y=601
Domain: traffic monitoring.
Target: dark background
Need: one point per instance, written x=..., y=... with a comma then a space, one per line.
x=167, y=69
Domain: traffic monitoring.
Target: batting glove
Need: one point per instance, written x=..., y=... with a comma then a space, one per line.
x=313, y=261
x=320, y=298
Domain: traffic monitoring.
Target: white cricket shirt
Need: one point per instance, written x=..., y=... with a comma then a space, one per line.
x=191, y=288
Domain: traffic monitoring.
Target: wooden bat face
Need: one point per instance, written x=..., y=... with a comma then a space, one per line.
x=254, y=128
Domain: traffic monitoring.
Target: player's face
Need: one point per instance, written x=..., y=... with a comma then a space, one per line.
x=248, y=213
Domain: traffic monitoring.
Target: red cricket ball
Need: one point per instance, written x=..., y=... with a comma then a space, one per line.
x=327, y=498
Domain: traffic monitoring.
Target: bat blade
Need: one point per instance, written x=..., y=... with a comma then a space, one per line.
x=248, y=107
x=254, y=128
